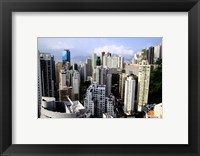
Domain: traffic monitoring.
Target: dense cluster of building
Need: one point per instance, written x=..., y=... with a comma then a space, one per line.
x=71, y=90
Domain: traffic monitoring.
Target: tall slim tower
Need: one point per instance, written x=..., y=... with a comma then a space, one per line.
x=129, y=97
x=75, y=85
x=89, y=67
x=120, y=62
x=102, y=55
x=143, y=84
x=100, y=73
x=39, y=86
x=94, y=57
x=150, y=55
x=47, y=67
x=58, y=68
x=108, y=84
x=122, y=79
x=66, y=56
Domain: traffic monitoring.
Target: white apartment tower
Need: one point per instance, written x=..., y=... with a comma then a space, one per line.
x=95, y=99
x=120, y=62
x=143, y=84
x=129, y=97
x=115, y=62
x=88, y=101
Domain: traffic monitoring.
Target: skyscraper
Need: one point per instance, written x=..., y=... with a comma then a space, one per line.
x=58, y=68
x=107, y=62
x=100, y=75
x=143, y=84
x=66, y=56
x=47, y=67
x=122, y=79
x=129, y=97
x=120, y=62
x=109, y=104
x=100, y=92
x=84, y=72
x=108, y=84
x=75, y=66
x=95, y=99
x=150, y=55
x=157, y=52
x=88, y=101
x=102, y=55
x=98, y=61
x=75, y=85
x=115, y=62
x=64, y=87
x=94, y=57
x=39, y=85
x=89, y=67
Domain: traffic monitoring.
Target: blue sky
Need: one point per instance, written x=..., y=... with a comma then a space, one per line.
x=86, y=46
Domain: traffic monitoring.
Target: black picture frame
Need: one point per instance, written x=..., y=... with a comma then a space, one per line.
x=9, y=6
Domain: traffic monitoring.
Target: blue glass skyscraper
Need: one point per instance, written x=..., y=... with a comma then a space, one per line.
x=66, y=56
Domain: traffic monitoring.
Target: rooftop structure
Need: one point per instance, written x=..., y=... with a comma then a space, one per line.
x=55, y=109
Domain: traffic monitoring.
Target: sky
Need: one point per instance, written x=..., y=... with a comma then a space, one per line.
x=86, y=46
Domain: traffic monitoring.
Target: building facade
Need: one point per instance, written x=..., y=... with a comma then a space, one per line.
x=66, y=56
x=129, y=97
x=47, y=72
x=122, y=80
x=109, y=104
x=143, y=84
x=94, y=101
x=75, y=86
x=150, y=55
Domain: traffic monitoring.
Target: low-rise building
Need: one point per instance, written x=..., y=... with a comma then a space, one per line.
x=55, y=109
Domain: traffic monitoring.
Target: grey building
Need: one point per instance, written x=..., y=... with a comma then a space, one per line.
x=150, y=55
x=47, y=73
x=55, y=109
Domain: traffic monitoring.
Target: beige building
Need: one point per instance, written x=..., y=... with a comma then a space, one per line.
x=132, y=69
x=58, y=68
x=143, y=84
x=122, y=79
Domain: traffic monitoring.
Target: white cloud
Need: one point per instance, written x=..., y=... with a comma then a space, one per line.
x=114, y=49
x=59, y=46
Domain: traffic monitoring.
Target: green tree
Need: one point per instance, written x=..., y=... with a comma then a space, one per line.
x=155, y=86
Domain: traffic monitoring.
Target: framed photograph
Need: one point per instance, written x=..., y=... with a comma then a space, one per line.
x=99, y=77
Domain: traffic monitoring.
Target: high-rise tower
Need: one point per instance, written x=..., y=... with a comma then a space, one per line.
x=129, y=97
x=47, y=71
x=143, y=84
x=66, y=56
